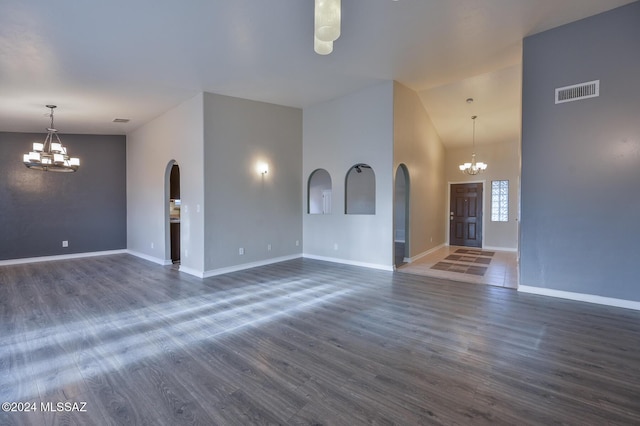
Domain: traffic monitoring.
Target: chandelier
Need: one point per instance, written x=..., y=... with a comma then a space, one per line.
x=326, y=28
x=51, y=156
x=473, y=168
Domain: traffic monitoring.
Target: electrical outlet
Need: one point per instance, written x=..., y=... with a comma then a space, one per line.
x=65, y=243
x=268, y=247
x=335, y=246
x=241, y=251
x=152, y=245
x=297, y=243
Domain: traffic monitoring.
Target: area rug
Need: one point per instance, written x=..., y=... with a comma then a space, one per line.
x=466, y=261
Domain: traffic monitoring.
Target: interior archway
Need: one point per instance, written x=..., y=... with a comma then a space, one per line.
x=172, y=212
x=401, y=195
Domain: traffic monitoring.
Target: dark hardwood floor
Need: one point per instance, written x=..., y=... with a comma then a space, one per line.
x=304, y=342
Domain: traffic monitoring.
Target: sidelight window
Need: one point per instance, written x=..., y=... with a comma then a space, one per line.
x=500, y=201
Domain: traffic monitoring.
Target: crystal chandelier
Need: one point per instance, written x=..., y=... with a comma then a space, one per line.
x=473, y=168
x=51, y=156
x=327, y=15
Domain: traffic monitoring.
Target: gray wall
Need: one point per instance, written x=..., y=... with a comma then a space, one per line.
x=41, y=209
x=581, y=160
x=244, y=209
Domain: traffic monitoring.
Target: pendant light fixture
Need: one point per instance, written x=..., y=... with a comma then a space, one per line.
x=473, y=168
x=326, y=30
x=322, y=47
x=51, y=155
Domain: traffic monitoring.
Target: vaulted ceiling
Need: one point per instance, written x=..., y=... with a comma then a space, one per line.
x=100, y=60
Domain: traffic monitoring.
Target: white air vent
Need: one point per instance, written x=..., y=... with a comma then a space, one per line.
x=121, y=120
x=576, y=92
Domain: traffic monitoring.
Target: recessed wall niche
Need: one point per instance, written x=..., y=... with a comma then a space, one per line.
x=319, y=192
x=360, y=190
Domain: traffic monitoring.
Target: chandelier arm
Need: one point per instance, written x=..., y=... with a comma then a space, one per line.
x=47, y=142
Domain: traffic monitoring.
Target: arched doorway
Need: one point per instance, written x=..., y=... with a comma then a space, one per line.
x=173, y=215
x=401, y=216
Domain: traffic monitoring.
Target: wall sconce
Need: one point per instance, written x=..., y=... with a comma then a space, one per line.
x=263, y=168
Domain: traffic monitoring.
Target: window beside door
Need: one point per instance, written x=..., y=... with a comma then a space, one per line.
x=499, y=200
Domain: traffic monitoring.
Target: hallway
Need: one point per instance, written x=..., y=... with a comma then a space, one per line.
x=466, y=264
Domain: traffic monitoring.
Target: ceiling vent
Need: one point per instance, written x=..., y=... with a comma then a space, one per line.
x=121, y=120
x=576, y=92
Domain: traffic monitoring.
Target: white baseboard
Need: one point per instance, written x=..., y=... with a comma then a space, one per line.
x=581, y=297
x=349, y=262
x=423, y=254
x=191, y=271
x=149, y=258
x=510, y=249
x=60, y=257
x=243, y=266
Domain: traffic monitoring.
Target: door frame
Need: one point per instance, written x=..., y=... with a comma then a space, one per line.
x=448, y=207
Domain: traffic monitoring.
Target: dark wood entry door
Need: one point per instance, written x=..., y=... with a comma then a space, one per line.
x=465, y=215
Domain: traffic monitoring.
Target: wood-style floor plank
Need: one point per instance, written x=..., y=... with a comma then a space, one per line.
x=305, y=342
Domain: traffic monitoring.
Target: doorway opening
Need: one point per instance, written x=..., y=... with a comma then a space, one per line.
x=175, y=203
x=465, y=215
x=401, y=216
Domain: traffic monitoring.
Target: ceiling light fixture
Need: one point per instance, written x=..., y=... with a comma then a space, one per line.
x=327, y=16
x=322, y=47
x=51, y=156
x=473, y=168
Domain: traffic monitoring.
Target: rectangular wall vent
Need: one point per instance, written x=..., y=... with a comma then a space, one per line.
x=576, y=92
x=121, y=120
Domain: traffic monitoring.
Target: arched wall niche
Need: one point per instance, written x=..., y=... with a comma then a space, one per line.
x=360, y=190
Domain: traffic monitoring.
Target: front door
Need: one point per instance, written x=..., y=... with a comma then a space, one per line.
x=465, y=215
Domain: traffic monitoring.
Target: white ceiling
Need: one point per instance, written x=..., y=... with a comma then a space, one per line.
x=100, y=60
